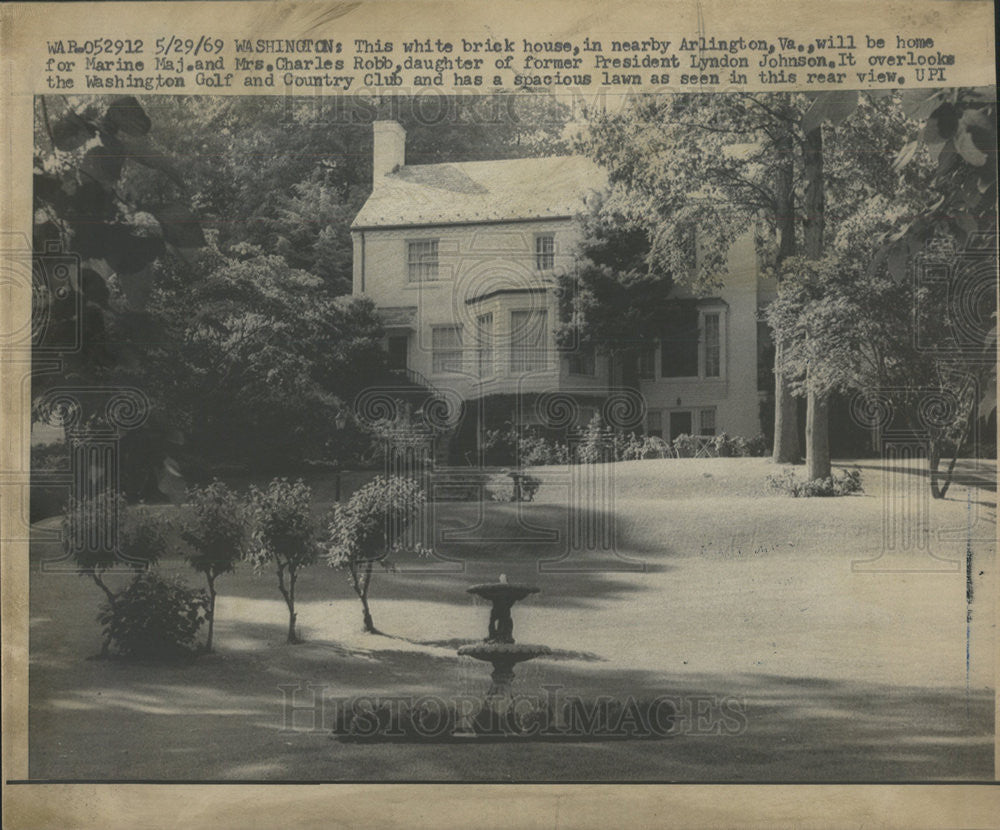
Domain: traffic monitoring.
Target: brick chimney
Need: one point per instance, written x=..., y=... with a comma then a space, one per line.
x=389, y=148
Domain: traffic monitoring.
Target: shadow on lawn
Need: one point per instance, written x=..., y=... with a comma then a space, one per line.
x=981, y=474
x=224, y=716
x=228, y=717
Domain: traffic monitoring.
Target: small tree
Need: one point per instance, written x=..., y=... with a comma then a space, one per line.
x=142, y=539
x=370, y=525
x=215, y=535
x=282, y=533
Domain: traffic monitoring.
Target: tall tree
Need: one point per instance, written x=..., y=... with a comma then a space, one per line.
x=86, y=150
x=264, y=359
x=716, y=166
x=618, y=298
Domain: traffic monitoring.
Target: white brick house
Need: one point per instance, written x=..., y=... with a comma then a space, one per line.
x=461, y=260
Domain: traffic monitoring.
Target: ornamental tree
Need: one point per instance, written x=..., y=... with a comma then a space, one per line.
x=282, y=535
x=367, y=528
x=215, y=534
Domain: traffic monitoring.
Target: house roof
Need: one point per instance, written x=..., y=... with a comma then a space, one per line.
x=481, y=191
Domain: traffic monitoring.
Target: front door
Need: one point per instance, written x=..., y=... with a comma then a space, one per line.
x=680, y=424
x=398, y=352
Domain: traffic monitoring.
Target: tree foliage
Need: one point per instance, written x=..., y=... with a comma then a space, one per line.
x=215, y=535
x=266, y=358
x=367, y=528
x=618, y=295
x=797, y=170
x=212, y=271
x=282, y=536
x=86, y=151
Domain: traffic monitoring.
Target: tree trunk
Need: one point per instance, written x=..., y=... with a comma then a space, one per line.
x=934, y=462
x=289, y=595
x=106, y=642
x=786, y=421
x=211, y=613
x=941, y=482
x=817, y=436
x=292, y=635
x=366, y=613
x=814, y=220
x=817, y=402
x=786, y=428
x=100, y=584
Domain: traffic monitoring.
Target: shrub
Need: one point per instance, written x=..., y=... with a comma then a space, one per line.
x=596, y=443
x=686, y=446
x=142, y=538
x=758, y=446
x=500, y=486
x=725, y=446
x=50, y=457
x=536, y=451
x=639, y=447
x=600, y=443
x=154, y=618
x=510, y=446
x=839, y=484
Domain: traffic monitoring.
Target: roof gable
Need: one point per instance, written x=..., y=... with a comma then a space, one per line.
x=481, y=191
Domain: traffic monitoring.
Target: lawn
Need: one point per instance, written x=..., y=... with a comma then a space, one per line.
x=846, y=658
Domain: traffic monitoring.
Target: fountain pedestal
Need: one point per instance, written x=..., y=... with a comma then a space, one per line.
x=499, y=648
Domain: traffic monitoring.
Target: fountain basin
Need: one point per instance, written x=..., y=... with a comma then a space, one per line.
x=507, y=653
x=511, y=591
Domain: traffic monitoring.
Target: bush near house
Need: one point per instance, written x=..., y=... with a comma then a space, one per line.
x=838, y=484
x=600, y=443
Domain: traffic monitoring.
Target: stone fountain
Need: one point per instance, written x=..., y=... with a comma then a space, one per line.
x=499, y=648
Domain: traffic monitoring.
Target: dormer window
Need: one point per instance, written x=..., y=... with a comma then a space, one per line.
x=545, y=252
x=422, y=260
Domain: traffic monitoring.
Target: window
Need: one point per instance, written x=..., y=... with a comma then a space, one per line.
x=545, y=252
x=713, y=363
x=422, y=260
x=679, y=344
x=707, y=419
x=446, y=349
x=484, y=345
x=647, y=363
x=654, y=423
x=528, y=339
x=583, y=361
